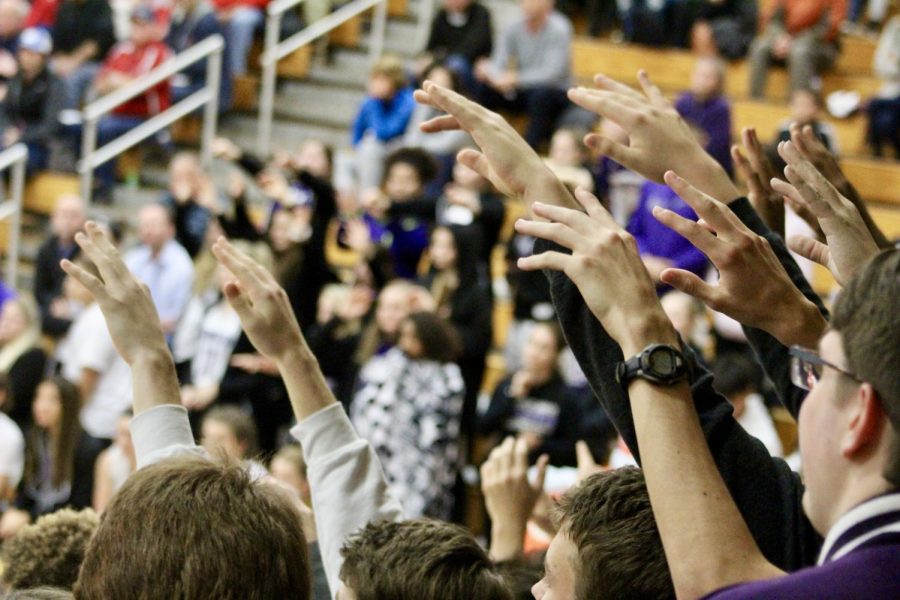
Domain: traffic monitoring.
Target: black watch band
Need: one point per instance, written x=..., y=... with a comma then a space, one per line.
x=659, y=363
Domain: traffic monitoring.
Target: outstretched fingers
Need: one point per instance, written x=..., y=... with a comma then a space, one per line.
x=550, y=260
x=716, y=214
x=251, y=277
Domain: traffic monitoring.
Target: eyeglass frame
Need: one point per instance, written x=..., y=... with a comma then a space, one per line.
x=800, y=354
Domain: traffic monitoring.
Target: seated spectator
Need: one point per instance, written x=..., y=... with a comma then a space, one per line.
x=12, y=451
x=192, y=197
x=802, y=34
x=83, y=34
x=192, y=22
x=884, y=109
x=530, y=69
x=49, y=552
x=241, y=19
x=567, y=158
x=21, y=358
x=127, y=62
x=724, y=28
x=535, y=403
x=660, y=247
x=114, y=465
x=408, y=405
x=42, y=14
x=229, y=430
x=738, y=378
x=289, y=468
x=162, y=263
x=66, y=220
x=12, y=23
x=59, y=459
x=460, y=36
x=705, y=107
x=807, y=108
x=34, y=98
x=382, y=119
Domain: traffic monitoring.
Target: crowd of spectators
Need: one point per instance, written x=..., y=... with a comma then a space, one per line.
x=288, y=384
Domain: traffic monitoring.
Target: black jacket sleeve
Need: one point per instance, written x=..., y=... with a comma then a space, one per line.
x=765, y=490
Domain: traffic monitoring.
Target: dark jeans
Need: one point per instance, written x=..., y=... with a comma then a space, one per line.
x=109, y=128
x=884, y=124
x=543, y=105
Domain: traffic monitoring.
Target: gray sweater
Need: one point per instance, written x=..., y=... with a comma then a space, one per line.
x=541, y=59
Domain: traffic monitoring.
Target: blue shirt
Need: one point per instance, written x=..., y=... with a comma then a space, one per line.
x=387, y=119
x=170, y=276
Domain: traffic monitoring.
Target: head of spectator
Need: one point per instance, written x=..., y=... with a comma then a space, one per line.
x=48, y=552
x=567, y=148
x=35, y=46
x=230, y=430
x=536, y=11
x=428, y=559
x=73, y=291
x=406, y=173
x=439, y=73
x=57, y=403
x=849, y=424
x=386, y=78
x=540, y=356
x=122, y=439
x=155, y=227
x=289, y=467
x=67, y=218
x=708, y=78
x=425, y=336
x=282, y=232
x=736, y=376
x=806, y=106
x=315, y=157
x=236, y=537
x=456, y=6
x=185, y=173
x=470, y=179
x=394, y=303
x=443, y=251
x=12, y=18
x=607, y=544
x=20, y=329
x=144, y=26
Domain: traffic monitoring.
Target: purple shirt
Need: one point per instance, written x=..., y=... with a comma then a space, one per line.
x=656, y=239
x=713, y=117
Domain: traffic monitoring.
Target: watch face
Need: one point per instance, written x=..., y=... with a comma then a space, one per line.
x=662, y=362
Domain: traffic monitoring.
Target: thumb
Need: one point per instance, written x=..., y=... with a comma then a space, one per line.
x=476, y=161
x=618, y=152
x=542, y=462
x=811, y=249
x=689, y=283
x=238, y=301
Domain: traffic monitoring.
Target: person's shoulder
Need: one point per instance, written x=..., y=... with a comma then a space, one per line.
x=10, y=433
x=560, y=22
x=177, y=253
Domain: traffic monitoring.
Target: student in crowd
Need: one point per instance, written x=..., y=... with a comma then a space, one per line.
x=884, y=109
x=21, y=358
x=724, y=28
x=66, y=220
x=460, y=36
x=162, y=263
x=59, y=458
x=192, y=22
x=567, y=158
x=12, y=451
x=535, y=403
x=807, y=109
x=804, y=35
x=34, y=98
x=83, y=34
x=48, y=552
x=382, y=119
x=408, y=405
x=241, y=19
x=193, y=199
x=705, y=106
x=530, y=69
x=114, y=465
x=230, y=430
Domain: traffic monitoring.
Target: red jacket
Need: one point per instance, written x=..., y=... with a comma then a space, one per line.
x=135, y=61
x=229, y=4
x=800, y=15
x=42, y=14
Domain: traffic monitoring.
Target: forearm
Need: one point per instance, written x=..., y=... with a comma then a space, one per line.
x=154, y=380
x=306, y=386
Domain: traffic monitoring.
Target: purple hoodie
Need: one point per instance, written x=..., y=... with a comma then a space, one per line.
x=714, y=117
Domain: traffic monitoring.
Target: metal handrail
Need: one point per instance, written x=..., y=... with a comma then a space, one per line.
x=208, y=97
x=275, y=50
x=14, y=157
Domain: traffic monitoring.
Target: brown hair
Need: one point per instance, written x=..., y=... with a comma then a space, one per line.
x=62, y=448
x=440, y=341
x=421, y=558
x=49, y=552
x=620, y=554
x=293, y=454
x=240, y=423
x=390, y=66
x=865, y=314
x=192, y=528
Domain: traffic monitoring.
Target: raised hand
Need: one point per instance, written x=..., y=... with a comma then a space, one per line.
x=849, y=242
x=659, y=139
x=605, y=266
x=261, y=304
x=753, y=287
x=509, y=496
x=756, y=169
x=505, y=159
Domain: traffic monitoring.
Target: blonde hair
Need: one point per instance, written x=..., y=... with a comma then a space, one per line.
x=390, y=66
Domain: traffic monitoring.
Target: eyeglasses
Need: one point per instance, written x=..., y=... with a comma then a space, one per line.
x=806, y=368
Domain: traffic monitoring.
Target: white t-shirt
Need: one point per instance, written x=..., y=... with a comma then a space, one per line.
x=757, y=421
x=88, y=345
x=12, y=451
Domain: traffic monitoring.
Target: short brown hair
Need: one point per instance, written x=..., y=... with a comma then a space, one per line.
x=241, y=425
x=440, y=340
x=620, y=554
x=48, y=552
x=865, y=314
x=192, y=528
x=420, y=558
x=390, y=66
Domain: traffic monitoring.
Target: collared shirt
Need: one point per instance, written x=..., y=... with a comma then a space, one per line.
x=169, y=275
x=862, y=526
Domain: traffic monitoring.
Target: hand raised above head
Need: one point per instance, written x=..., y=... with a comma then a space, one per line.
x=753, y=287
x=126, y=304
x=757, y=171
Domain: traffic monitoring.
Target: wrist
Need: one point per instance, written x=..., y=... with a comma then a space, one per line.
x=640, y=333
x=804, y=326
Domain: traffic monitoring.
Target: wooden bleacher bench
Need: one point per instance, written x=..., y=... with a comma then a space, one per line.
x=875, y=180
x=856, y=55
x=42, y=191
x=244, y=93
x=348, y=34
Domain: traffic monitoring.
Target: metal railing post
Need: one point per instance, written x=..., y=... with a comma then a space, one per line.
x=267, y=94
x=423, y=29
x=211, y=110
x=376, y=36
x=18, y=187
x=88, y=145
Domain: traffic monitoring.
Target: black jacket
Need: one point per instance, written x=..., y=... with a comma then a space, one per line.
x=34, y=106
